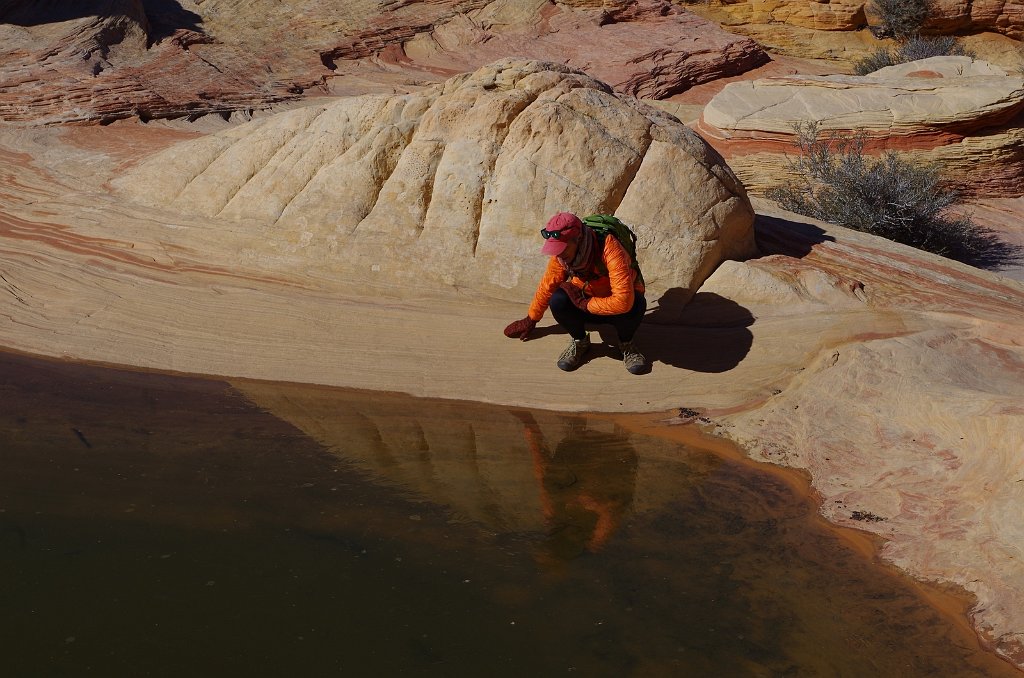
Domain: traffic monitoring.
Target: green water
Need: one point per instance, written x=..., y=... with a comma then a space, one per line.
x=161, y=526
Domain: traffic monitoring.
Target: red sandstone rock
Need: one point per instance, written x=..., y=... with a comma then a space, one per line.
x=109, y=59
x=646, y=48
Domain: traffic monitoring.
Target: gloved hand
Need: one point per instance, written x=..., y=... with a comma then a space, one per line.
x=520, y=328
x=576, y=295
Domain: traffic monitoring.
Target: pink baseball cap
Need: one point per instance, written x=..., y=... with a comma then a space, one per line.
x=561, y=228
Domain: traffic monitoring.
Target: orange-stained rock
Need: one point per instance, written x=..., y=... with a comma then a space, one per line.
x=976, y=16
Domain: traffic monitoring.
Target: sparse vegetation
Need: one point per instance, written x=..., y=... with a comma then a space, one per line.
x=877, y=60
x=924, y=47
x=900, y=19
x=913, y=49
x=886, y=196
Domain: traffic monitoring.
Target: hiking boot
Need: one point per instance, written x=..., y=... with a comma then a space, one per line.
x=633, y=359
x=572, y=356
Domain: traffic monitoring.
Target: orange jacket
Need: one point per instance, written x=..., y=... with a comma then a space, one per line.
x=610, y=294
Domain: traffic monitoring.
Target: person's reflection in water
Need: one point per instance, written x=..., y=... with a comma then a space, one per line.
x=586, y=487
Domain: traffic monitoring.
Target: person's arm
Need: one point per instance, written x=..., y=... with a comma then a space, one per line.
x=549, y=282
x=553, y=276
x=620, y=277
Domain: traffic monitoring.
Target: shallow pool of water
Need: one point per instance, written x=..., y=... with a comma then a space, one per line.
x=157, y=525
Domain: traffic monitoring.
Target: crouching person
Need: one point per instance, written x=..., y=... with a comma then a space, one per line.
x=590, y=280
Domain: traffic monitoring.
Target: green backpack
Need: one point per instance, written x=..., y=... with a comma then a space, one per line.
x=603, y=224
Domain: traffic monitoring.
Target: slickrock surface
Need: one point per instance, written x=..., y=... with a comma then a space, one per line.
x=963, y=114
x=1005, y=216
x=930, y=415
x=101, y=60
x=453, y=183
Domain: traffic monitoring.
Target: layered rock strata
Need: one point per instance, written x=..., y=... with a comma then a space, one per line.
x=99, y=61
x=944, y=16
x=962, y=114
x=648, y=49
x=102, y=60
x=452, y=183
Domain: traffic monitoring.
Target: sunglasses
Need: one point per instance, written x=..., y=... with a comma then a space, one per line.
x=557, y=235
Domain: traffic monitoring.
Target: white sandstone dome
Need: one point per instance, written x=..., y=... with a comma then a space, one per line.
x=453, y=183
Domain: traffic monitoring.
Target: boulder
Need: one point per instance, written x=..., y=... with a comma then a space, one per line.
x=452, y=183
x=960, y=113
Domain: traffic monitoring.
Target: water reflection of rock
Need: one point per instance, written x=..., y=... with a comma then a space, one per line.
x=570, y=478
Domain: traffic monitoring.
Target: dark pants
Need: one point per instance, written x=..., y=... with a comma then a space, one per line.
x=574, y=320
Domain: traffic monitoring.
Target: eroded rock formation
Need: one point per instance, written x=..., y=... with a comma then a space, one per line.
x=105, y=59
x=648, y=49
x=102, y=60
x=453, y=182
x=960, y=113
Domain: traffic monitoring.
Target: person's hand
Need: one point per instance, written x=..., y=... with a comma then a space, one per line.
x=576, y=296
x=520, y=328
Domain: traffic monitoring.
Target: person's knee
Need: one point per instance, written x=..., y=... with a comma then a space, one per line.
x=560, y=301
x=639, y=305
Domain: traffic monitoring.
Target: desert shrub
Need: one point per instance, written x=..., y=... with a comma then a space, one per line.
x=923, y=48
x=900, y=19
x=877, y=60
x=913, y=49
x=886, y=196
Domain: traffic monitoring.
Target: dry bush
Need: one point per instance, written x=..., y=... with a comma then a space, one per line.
x=877, y=60
x=912, y=50
x=900, y=19
x=886, y=196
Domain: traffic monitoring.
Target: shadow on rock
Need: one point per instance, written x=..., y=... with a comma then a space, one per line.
x=39, y=13
x=164, y=16
x=167, y=17
x=710, y=334
x=775, y=235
